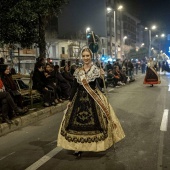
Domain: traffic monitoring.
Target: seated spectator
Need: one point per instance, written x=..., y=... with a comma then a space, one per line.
x=39, y=83
x=7, y=104
x=52, y=82
x=110, y=78
x=13, y=71
x=49, y=61
x=11, y=87
x=73, y=67
x=109, y=66
x=63, y=83
x=118, y=77
x=2, y=61
x=67, y=75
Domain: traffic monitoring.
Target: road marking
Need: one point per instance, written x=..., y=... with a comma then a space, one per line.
x=110, y=89
x=53, y=142
x=163, y=128
x=164, y=122
x=44, y=159
x=6, y=156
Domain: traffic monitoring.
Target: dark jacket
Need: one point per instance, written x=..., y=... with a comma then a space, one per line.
x=39, y=80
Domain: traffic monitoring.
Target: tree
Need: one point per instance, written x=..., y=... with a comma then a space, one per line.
x=25, y=21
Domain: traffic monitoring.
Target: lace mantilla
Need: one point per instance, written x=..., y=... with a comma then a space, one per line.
x=91, y=75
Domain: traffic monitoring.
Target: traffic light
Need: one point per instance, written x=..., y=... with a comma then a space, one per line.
x=89, y=37
x=92, y=37
x=92, y=40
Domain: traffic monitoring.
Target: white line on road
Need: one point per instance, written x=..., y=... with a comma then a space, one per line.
x=164, y=122
x=6, y=156
x=163, y=128
x=53, y=142
x=110, y=89
x=44, y=159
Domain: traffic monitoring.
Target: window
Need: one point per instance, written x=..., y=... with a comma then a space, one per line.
x=54, y=51
x=102, y=41
x=103, y=52
x=63, y=50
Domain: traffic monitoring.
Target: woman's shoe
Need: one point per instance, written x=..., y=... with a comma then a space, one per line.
x=77, y=154
x=56, y=101
x=60, y=100
x=8, y=121
x=18, y=111
x=53, y=104
x=46, y=104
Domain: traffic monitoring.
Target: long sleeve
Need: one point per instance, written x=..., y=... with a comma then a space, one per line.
x=74, y=89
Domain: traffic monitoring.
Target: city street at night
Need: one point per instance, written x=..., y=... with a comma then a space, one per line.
x=143, y=113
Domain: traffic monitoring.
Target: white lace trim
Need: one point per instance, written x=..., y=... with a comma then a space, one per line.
x=91, y=75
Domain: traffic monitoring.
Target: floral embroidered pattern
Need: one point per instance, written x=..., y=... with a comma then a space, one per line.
x=91, y=75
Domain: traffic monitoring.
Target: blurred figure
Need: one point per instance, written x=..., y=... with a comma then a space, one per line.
x=143, y=66
x=73, y=67
x=151, y=76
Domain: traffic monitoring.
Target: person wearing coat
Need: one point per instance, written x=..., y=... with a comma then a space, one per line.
x=39, y=83
x=63, y=83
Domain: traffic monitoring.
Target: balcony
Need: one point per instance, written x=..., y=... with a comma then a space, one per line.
x=64, y=56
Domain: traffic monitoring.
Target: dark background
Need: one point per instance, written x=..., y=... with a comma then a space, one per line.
x=150, y=12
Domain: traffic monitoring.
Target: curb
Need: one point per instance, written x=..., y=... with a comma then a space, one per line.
x=31, y=118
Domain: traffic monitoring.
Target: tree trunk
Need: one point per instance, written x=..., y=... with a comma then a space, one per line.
x=42, y=42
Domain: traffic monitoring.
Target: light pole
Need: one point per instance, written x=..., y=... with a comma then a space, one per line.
x=120, y=7
x=150, y=38
x=110, y=11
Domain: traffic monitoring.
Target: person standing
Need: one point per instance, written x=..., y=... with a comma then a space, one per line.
x=89, y=123
x=151, y=76
x=143, y=66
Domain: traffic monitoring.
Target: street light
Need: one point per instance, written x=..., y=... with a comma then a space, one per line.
x=162, y=35
x=142, y=44
x=120, y=7
x=150, y=33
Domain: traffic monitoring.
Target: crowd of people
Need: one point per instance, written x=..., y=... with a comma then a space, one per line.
x=53, y=82
x=118, y=73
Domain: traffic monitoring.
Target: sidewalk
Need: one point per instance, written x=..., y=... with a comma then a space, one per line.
x=33, y=116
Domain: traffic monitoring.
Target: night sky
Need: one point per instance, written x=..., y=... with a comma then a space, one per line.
x=79, y=14
x=150, y=12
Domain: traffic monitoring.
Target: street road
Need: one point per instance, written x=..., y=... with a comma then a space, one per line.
x=143, y=112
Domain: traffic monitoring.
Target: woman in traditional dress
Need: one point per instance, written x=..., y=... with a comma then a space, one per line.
x=89, y=124
x=151, y=76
